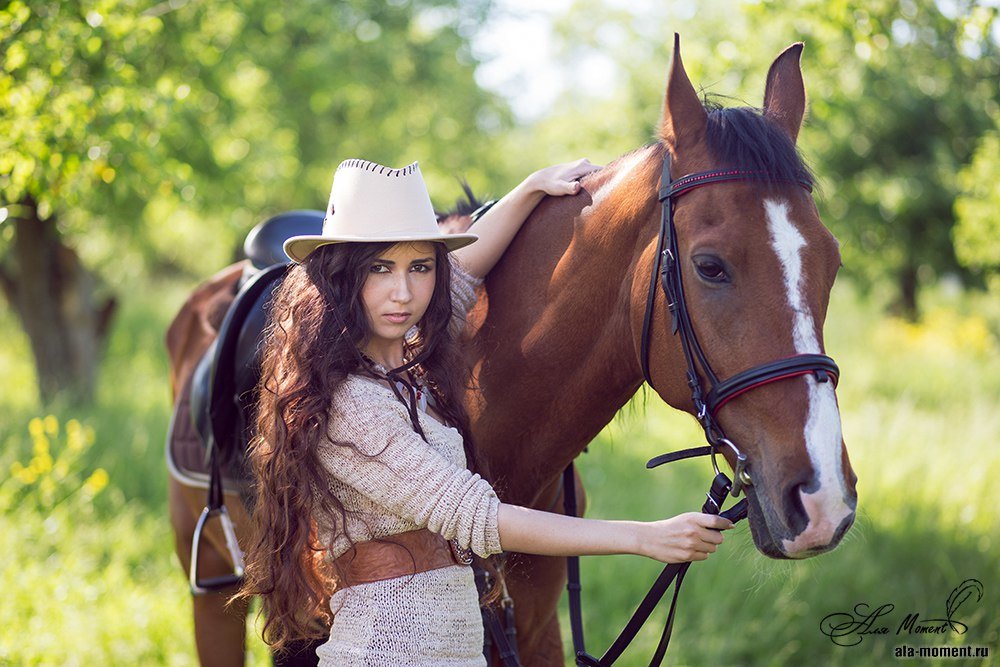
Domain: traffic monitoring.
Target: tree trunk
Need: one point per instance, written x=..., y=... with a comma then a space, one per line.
x=906, y=305
x=53, y=294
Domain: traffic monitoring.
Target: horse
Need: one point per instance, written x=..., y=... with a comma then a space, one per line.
x=559, y=340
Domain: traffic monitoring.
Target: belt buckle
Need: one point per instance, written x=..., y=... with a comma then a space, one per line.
x=462, y=556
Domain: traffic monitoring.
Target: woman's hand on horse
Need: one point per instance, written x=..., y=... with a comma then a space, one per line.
x=499, y=225
x=686, y=537
x=561, y=179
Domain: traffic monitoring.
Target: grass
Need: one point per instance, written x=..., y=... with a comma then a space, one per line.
x=89, y=575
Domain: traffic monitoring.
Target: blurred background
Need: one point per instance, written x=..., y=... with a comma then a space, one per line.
x=140, y=141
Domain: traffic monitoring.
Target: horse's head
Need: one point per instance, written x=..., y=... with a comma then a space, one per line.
x=757, y=267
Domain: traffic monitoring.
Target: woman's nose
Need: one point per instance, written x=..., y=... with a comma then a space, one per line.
x=401, y=291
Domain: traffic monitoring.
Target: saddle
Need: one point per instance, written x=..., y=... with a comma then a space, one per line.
x=214, y=411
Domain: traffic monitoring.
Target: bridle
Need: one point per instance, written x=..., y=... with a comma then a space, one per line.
x=707, y=405
x=668, y=265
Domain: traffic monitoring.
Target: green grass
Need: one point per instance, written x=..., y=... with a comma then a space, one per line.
x=89, y=574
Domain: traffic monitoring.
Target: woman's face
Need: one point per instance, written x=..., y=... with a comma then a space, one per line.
x=397, y=291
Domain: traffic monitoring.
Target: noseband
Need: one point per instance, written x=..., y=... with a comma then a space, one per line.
x=667, y=264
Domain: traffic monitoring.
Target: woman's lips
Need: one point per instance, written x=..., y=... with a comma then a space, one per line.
x=397, y=318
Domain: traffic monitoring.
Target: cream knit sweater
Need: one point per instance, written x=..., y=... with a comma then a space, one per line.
x=396, y=483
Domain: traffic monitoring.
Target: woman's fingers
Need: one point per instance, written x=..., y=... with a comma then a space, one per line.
x=710, y=520
x=584, y=166
x=563, y=179
x=690, y=536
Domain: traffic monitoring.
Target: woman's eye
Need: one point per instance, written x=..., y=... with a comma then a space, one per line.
x=378, y=268
x=420, y=268
x=711, y=270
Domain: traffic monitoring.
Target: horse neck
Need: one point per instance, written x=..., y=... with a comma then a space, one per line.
x=555, y=353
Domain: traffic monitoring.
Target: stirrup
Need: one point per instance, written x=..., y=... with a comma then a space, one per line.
x=211, y=584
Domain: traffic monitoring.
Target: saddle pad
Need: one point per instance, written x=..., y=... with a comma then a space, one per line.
x=188, y=337
x=185, y=450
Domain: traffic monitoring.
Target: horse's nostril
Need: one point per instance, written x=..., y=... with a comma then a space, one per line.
x=796, y=514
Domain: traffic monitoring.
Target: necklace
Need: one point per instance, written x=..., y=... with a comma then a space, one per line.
x=413, y=382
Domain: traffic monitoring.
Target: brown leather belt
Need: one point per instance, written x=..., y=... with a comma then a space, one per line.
x=400, y=555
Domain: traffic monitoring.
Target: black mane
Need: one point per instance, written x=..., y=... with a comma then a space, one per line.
x=462, y=206
x=741, y=138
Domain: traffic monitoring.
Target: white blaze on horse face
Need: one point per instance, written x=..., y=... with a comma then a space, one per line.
x=825, y=506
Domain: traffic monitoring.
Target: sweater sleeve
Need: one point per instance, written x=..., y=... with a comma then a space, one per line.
x=392, y=466
x=463, y=293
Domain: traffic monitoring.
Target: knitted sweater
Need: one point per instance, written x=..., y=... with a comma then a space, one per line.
x=394, y=482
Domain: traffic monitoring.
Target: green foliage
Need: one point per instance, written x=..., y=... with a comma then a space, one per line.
x=81, y=565
x=159, y=133
x=977, y=234
x=74, y=106
x=901, y=93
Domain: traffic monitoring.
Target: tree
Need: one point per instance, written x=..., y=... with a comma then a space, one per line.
x=70, y=103
x=977, y=209
x=146, y=138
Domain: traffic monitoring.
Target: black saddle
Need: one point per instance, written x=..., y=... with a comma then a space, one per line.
x=223, y=386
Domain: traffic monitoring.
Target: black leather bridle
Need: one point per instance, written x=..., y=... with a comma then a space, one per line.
x=668, y=265
x=706, y=404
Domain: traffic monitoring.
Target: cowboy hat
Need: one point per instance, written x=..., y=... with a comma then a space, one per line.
x=372, y=203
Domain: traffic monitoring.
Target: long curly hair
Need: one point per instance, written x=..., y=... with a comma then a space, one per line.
x=316, y=327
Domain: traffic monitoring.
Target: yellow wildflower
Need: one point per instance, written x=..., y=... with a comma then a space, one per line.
x=41, y=445
x=52, y=426
x=74, y=436
x=42, y=463
x=96, y=482
x=26, y=476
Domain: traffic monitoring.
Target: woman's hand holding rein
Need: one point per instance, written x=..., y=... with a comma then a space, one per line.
x=686, y=537
x=498, y=226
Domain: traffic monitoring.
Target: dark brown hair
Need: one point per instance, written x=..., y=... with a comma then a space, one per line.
x=316, y=325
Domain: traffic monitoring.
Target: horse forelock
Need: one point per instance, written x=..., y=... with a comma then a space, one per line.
x=742, y=138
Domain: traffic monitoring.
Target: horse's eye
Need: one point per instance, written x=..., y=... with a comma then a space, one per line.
x=711, y=269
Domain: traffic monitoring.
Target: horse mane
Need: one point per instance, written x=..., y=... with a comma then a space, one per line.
x=743, y=138
x=462, y=207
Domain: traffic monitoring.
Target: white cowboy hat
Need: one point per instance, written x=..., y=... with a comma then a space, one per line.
x=374, y=203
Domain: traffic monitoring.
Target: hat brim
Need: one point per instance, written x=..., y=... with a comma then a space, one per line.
x=300, y=247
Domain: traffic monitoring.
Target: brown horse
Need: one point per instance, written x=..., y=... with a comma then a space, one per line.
x=556, y=340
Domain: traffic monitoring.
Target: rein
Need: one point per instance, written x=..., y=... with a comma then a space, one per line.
x=706, y=404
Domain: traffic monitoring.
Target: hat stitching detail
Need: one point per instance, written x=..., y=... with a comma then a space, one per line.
x=375, y=167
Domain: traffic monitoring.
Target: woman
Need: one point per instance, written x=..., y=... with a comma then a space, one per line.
x=363, y=458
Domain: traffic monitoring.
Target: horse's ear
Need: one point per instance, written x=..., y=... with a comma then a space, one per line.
x=684, y=118
x=785, y=94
